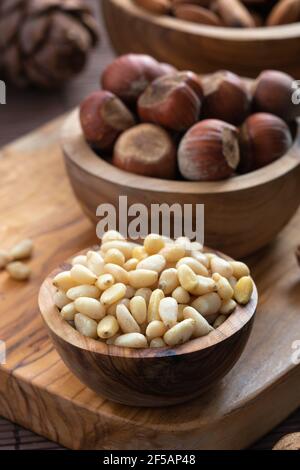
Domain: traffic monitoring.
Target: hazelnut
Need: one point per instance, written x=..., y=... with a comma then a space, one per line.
x=170, y=102
x=272, y=93
x=226, y=97
x=209, y=151
x=103, y=117
x=146, y=150
x=233, y=13
x=191, y=79
x=130, y=74
x=196, y=14
x=263, y=139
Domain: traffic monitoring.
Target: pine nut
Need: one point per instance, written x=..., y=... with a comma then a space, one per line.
x=218, y=322
x=112, y=309
x=126, y=321
x=121, y=245
x=185, y=243
x=68, y=312
x=187, y=278
x=168, y=311
x=4, y=259
x=80, y=259
x=144, y=292
x=22, y=250
x=142, y=278
x=221, y=266
x=224, y=288
x=130, y=264
x=155, y=329
x=130, y=292
x=243, y=290
x=83, y=275
x=202, y=327
x=154, y=263
x=239, y=269
x=119, y=274
x=95, y=263
x=83, y=291
x=201, y=258
x=153, y=243
x=227, y=307
x=232, y=281
x=107, y=327
x=168, y=280
x=207, y=304
x=60, y=299
x=85, y=325
x=18, y=271
x=90, y=307
x=105, y=281
x=113, y=294
x=205, y=285
x=114, y=256
x=180, y=333
x=64, y=281
x=132, y=340
x=197, y=267
x=112, y=235
x=173, y=253
x=153, y=307
x=138, y=309
x=181, y=307
x=157, y=343
x=139, y=253
x=181, y=295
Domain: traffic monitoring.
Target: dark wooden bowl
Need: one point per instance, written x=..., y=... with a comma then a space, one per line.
x=242, y=214
x=148, y=377
x=202, y=48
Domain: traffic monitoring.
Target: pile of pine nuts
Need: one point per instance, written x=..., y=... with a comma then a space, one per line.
x=12, y=260
x=158, y=294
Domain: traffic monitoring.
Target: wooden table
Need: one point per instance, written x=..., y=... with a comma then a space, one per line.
x=26, y=110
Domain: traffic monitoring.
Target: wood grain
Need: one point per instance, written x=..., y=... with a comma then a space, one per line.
x=148, y=377
x=40, y=393
x=242, y=214
x=202, y=48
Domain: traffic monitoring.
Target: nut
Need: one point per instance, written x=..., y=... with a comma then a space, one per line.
x=233, y=13
x=170, y=102
x=272, y=93
x=22, y=250
x=284, y=12
x=196, y=14
x=147, y=150
x=160, y=7
x=129, y=75
x=289, y=442
x=18, y=271
x=4, y=258
x=263, y=139
x=103, y=117
x=226, y=97
x=191, y=79
x=209, y=151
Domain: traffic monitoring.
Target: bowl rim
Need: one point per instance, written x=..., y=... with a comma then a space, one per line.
x=280, y=32
x=235, y=322
x=76, y=149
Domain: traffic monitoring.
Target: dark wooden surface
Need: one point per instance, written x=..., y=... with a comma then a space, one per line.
x=26, y=110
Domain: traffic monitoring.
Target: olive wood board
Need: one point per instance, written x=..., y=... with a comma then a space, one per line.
x=38, y=391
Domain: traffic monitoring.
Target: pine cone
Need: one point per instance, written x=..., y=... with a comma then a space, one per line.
x=44, y=42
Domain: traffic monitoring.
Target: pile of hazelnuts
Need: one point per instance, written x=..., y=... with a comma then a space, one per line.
x=154, y=120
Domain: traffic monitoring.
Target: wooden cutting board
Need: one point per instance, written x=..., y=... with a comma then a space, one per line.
x=38, y=391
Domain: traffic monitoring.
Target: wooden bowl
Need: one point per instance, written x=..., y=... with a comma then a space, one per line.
x=242, y=214
x=148, y=377
x=199, y=47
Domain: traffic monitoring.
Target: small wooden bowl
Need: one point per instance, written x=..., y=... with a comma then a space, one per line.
x=148, y=377
x=202, y=48
x=242, y=214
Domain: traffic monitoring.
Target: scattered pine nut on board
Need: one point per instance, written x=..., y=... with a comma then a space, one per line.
x=260, y=391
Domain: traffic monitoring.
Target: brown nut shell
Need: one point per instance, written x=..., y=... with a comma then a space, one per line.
x=146, y=149
x=160, y=7
x=284, y=12
x=196, y=14
x=103, y=117
x=209, y=151
x=263, y=139
x=233, y=13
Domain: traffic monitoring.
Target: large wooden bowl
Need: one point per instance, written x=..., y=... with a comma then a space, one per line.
x=199, y=47
x=242, y=214
x=148, y=377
